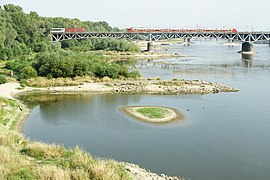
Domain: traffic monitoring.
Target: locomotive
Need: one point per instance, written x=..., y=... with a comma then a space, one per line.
x=233, y=30
x=67, y=30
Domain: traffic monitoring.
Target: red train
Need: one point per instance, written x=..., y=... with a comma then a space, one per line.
x=74, y=29
x=233, y=30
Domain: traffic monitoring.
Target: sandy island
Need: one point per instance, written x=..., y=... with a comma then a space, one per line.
x=171, y=116
x=143, y=86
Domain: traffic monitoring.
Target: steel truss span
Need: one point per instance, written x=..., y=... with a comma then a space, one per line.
x=155, y=36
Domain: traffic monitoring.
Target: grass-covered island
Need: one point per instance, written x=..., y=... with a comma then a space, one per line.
x=153, y=114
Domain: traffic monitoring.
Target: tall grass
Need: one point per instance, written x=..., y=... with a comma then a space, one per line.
x=21, y=159
x=45, y=172
x=44, y=82
x=40, y=150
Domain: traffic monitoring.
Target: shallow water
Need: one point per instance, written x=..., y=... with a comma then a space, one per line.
x=224, y=136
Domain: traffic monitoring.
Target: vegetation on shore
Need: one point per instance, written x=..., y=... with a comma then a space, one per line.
x=153, y=112
x=27, y=51
x=22, y=159
x=67, y=64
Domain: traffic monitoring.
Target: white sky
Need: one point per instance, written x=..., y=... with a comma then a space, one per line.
x=241, y=14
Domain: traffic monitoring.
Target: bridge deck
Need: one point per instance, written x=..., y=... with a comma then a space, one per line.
x=155, y=36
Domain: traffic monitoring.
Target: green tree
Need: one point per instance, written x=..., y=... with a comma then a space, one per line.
x=81, y=68
x=46, y=62
x=41, y=46
x=28, y=72
x=3, y=79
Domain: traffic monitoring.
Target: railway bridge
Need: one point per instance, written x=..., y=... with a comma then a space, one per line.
x=247, y=38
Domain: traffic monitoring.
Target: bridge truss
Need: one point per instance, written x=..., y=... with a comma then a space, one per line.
x=156, y=36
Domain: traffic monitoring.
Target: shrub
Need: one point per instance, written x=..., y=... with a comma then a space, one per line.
x=135, y=74
x=28, y=72
x=3, y=79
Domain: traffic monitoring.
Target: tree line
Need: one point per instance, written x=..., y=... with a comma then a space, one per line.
x=26, y=46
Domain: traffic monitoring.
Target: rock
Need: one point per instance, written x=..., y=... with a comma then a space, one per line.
x=162, y=175
x=170, y=87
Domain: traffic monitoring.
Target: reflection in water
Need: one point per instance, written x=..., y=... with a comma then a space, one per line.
x=57, y=107
x=219, y=71
x=247, y=60
x=247, y=56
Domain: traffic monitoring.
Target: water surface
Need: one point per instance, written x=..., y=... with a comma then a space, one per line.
x=224, y=136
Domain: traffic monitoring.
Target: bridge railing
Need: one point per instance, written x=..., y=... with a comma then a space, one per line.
x=155, y=36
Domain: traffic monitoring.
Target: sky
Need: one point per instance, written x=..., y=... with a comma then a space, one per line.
x=245, y=15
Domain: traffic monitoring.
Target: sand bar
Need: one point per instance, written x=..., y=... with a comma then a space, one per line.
x=172, y=114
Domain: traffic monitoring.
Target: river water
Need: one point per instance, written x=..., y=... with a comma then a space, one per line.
x=223, y=136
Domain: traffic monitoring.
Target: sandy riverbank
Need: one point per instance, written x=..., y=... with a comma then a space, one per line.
x=8, y=89
x=143, y=86
x=141, y=55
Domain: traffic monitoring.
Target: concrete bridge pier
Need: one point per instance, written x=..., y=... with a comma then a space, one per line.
x=269, y=43
x=247, y=54
x=149, y=46
x=187, y=40
x=247, y=47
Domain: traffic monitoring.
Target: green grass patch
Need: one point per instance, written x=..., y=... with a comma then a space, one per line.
x=153, y=112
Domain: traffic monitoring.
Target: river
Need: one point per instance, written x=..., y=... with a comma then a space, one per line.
x=223, y=136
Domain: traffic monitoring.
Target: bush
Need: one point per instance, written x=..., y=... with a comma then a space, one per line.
x=135, y=74
x=3, y=79
x=28, y=72
x=19, y=63
x=6, y=54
